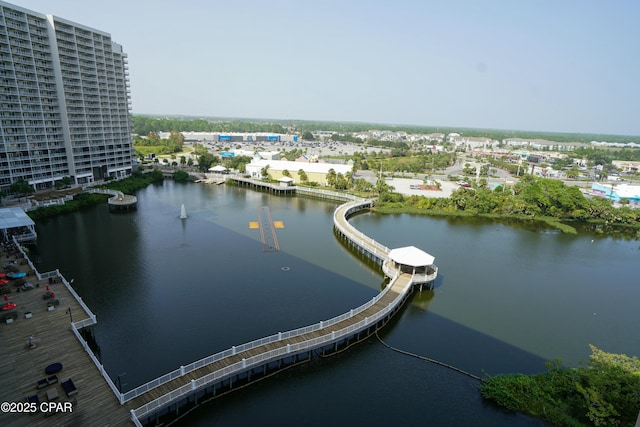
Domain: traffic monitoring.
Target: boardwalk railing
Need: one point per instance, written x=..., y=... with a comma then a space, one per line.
x=326, y=194
x=75, y=327
x=275, y=354
x=249, y=346
x=300, y=190
x=260, y=183
x=340, y=216
x=56, y=273
x=99, y=365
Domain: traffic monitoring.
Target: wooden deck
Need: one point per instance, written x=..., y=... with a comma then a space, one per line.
x=22, y=367
x=263, y=185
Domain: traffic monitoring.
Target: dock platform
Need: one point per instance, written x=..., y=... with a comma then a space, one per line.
x=21, y=367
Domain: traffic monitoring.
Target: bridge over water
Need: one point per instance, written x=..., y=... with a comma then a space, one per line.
x=186, y=386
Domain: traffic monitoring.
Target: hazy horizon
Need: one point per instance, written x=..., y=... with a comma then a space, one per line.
x=543, y=66
x=413, y=125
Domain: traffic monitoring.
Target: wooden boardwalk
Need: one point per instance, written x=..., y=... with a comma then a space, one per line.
x=399, y=287
x=21, y=367
x=369, y=317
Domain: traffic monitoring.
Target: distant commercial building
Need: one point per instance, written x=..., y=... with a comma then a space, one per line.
x=64, y=101
x=627, y=166
x=316, y=172
x=235, y=137
x=618, y=192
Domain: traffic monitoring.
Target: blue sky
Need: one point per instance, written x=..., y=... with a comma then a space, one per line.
x=567, y=66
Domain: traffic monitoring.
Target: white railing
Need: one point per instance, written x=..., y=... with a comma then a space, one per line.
x=340, y=221
x=264, y=184
x=328, y=194
x=75, y=327
x=302, y=190
x=99, y=365
x=249, y=346
x=78, y=299
x=57, y=273
x=132, y=394
x=275, y=354
x=390, y=269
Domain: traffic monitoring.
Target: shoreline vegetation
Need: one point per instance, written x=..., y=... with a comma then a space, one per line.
x=129, y=185
x=534, y=200
x=604, y=393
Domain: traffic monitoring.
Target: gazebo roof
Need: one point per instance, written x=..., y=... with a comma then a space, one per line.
x=286, y=179
x=410, y=255
x=217, y=168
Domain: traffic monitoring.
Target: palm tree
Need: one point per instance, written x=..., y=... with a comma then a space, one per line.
x=331, y=177
x=302, y=175
x=264, y=172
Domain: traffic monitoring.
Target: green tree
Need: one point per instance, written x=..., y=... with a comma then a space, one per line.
x=176, y=138
x=363, y=185
x=341, y=182
x=199, y=149
x=605, y=393
x=21, y=187
x=264, y=172
x=286, y=173
x=307, y=136
x=180, y=176
x=302, y=175
x=574, y=172
x=205, y=161
x=331, y=177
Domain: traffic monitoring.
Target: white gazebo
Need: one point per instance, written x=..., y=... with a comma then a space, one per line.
x=218, y=169
x=413, y=261
x=286, y=181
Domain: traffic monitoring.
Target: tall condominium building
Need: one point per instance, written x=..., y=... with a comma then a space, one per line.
x=64, y=101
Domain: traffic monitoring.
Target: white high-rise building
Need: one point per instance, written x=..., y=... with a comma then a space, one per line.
x=64, y=101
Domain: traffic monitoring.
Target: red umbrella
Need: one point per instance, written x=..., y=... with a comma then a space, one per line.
x=3, y=282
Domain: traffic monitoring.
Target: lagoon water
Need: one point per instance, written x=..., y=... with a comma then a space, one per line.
x=168, y=291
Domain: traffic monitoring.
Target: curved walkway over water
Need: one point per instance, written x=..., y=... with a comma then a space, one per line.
x=203, y=378
x=118, y=199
